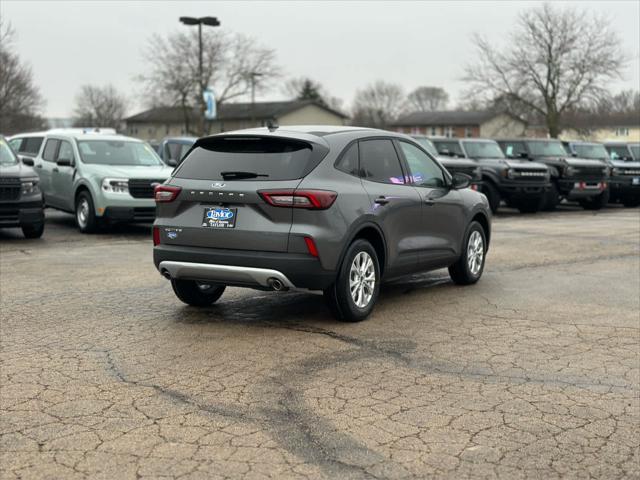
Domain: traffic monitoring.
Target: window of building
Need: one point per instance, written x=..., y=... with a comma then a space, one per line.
x=468, y=132
x=448, y=132
x=622, y=132
x=434, y=131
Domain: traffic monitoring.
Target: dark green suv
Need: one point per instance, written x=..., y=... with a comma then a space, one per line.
x=573, y=178
x=519, y=183
x=20, y=196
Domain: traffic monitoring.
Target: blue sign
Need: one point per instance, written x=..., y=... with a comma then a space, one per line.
x=210, y=99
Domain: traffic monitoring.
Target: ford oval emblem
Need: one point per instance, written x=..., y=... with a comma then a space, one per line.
x=219, y=185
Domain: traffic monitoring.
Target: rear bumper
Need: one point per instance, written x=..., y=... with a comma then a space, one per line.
x=242, y=267
x=130, y=214
x=19, y=214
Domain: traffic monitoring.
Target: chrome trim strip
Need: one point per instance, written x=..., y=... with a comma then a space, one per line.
x=223, y=273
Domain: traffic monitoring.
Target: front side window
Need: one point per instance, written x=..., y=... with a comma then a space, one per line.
x=450, y=149
x=513, y=149
x=15, y=144
x=424, y=171
x=65, y=152
x=379, y=162
x=483, y=150
x=50, y=149
x=117, y=152
x=348, y=163
x=7, y=157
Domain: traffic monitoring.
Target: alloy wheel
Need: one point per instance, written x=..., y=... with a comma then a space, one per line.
x=362, y=279
x=475, y=252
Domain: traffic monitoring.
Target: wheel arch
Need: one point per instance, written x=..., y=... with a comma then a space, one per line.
x=374, y=235
x=483, y=220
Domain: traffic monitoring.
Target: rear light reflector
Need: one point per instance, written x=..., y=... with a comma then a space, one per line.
x=166, y=193
x=311, y=246
x=309, y=199
x=156, y=236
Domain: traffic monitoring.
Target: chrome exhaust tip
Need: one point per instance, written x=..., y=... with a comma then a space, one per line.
x=165, y=273
x=276, y=285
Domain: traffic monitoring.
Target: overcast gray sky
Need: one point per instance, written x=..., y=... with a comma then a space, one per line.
x=343, y=45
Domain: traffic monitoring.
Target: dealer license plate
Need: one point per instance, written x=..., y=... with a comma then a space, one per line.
x=218, y=217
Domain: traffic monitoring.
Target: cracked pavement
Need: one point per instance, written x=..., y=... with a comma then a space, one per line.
x=532, y=373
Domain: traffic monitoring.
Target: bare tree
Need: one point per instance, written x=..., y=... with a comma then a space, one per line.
x=304, y=88
x=99, y=107
x=558, y=59
x=428, y=99
x=232, y=65
x=626, y=101
x=20, y=99
x=378, y=104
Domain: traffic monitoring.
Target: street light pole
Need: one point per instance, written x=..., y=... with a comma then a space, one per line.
x=212, y=22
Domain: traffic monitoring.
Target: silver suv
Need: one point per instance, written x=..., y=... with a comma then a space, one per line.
x=336, y=209
x=98, y=176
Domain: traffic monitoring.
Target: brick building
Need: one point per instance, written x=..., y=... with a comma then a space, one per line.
x=460, y=123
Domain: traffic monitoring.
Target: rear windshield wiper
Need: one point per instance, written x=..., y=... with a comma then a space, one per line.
x=241, y=175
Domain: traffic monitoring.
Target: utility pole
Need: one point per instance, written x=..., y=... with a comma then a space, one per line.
x=212, y=22
x=252, y=76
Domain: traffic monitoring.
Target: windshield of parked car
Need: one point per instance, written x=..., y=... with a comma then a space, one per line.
x=427, y=145
x=635, y=150
x=248, y=158
x=483, y=150
x=590, y=151
x=7, y=157
x=546, y=149
x=619, y=152
x=118, y=152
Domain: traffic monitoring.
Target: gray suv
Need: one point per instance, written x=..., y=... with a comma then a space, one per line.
x=335, y=209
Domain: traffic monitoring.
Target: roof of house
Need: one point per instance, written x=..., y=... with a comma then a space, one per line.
x=230, y=111
x=445, y=118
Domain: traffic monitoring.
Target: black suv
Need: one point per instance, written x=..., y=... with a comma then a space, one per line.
x=454, y=164
x=579, y=179
x=336, y=209
x=519, y=183
x=20, y=197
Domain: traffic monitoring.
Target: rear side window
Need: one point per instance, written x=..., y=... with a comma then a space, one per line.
x=50, y=148
x=249, y=158
x=379, y=162
x=348, y=163
x=31, y=145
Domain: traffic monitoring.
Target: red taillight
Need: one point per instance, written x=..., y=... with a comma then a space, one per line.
x=156, y=236
x=474, y=187
x=166, y=193
x=311, y=246
x=310, y=199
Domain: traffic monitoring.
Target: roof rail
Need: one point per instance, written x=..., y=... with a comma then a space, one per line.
x=81, y=130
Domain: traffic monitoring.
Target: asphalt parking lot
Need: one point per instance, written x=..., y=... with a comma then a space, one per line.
x=532, y=373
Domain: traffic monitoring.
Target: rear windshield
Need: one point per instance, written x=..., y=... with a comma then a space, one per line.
x=249, y=158
x=483, y=150
x=118, y=152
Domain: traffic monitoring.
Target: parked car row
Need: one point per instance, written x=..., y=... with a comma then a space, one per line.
x=537, y=174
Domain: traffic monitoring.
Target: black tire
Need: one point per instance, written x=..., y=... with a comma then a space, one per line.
x=197, y=294
x=492, y=194
x=461, y=271
x=33, y=231
x=339, y=297
x=85, y=212
x=597, y=202
x=631, y=202
x=551, y=198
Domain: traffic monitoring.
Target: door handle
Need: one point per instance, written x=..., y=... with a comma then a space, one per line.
x=381, y=200
x=39, y=165
x=55, y=169
x=429, y=201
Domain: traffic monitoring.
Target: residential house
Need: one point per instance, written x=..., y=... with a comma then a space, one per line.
x=460, y=123
x=160, y=122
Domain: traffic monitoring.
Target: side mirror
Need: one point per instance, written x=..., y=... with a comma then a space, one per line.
x=64, y=162
x=524, y=155
x=460, y=181
x=574, y=154
x=172, y=162
x=27, y=161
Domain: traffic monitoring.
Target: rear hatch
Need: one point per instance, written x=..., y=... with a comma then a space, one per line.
x=222, y=204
